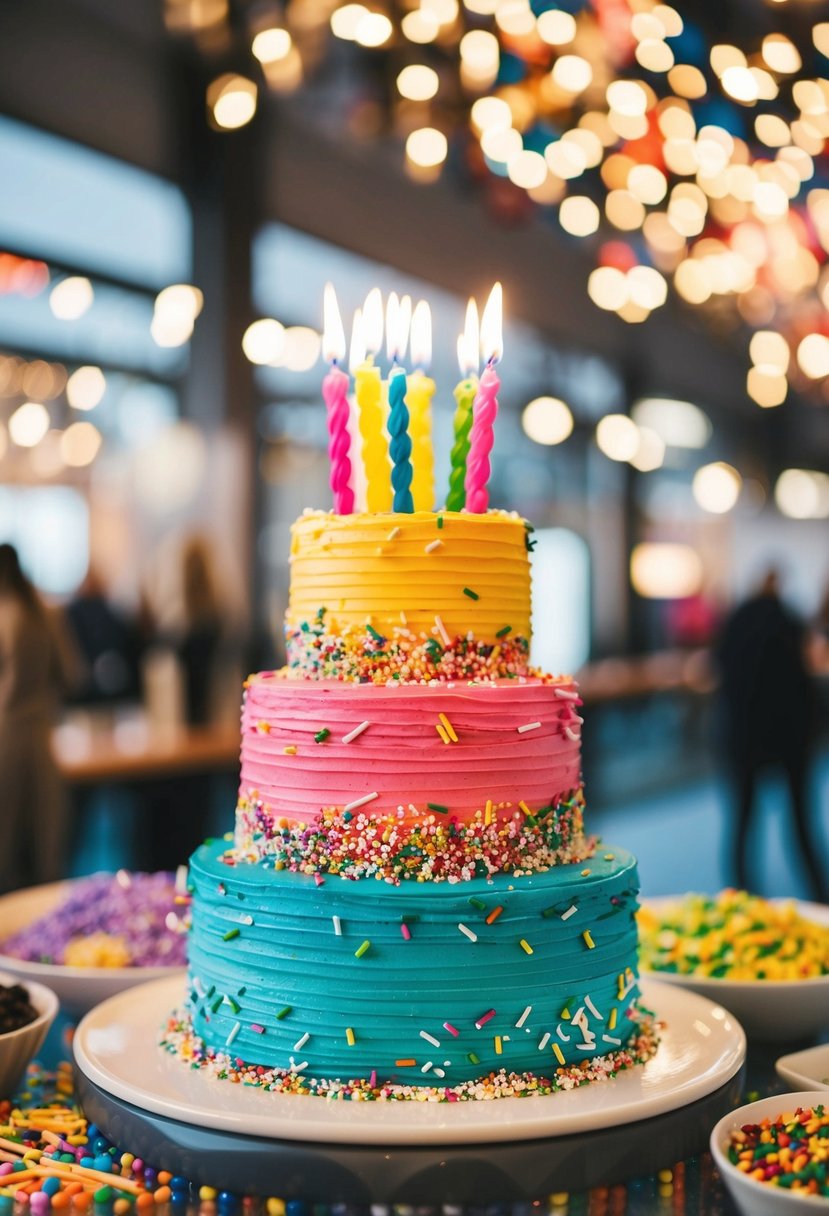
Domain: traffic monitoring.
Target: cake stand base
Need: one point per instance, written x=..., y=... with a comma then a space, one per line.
x=247, y=1140
x=482, y=1174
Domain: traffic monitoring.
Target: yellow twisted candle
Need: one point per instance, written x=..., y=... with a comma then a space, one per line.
x=368, y=391
x=419, y=393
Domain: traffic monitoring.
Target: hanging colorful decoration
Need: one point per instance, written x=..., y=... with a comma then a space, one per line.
x=682, y=160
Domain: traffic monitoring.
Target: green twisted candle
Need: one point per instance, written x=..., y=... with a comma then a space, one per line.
x=464, y=396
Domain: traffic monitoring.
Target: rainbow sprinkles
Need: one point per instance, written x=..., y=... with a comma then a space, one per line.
x=409, y=907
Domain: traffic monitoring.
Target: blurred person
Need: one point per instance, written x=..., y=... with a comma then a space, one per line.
x=109, y=645
x=195, y=632
x=34, y=669
x=769, y=708
x=199, y=639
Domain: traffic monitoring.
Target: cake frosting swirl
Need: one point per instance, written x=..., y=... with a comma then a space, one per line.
x=415, y=597
x=409, y=897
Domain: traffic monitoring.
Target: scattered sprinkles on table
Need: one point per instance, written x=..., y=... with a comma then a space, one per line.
x=733, y=935
x=790, y=1151
x=110, y=920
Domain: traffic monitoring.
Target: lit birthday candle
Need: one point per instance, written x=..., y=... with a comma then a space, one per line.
x=335, y=395
x=356, y=357
x=465, y=392
x=400, y=444
x=421, y=389
x=368, y=390
x=484, y=408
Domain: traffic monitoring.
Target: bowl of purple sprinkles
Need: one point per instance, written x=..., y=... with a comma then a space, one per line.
x=89, y=938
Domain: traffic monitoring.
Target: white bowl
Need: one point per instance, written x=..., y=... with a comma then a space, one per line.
x=772, y=1010
x=807, y=1069
x=78, y=988
x=17, y=1047
x=758, y=1198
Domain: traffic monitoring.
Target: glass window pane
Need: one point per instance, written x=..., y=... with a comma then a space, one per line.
x=49, y=527
x=561, y=600
x=63, y=201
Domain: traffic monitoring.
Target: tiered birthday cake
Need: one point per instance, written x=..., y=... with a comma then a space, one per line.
x=409, y=906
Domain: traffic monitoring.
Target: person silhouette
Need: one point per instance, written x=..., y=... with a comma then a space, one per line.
x=34, y=670
x=769, y=710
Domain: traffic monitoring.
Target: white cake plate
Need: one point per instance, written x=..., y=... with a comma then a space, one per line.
x=115, y=1045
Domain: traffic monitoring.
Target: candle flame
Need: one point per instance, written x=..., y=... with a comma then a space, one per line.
x=373, y=321
x=492, y=340
x=392, y=315
x=333, y=334
x=357, y=349
x=404, y=325
x=398, y=321
x=469, y=341
x=422, y=335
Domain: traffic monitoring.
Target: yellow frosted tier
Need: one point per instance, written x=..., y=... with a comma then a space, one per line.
x=448, y=576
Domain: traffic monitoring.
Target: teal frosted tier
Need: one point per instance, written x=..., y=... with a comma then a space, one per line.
x=421, y=983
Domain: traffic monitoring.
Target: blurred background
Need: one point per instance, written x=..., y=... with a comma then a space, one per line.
x=179, y=179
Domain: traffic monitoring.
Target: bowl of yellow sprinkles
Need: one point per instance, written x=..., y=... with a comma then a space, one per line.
x=766, y=961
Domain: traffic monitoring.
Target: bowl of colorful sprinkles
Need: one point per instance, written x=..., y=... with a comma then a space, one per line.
x=90, y=938
x=766, y=961
x=773, y=1155
x=26, y=1013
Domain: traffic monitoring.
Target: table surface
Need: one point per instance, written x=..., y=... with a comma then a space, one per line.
x=134, y=751
x=686, y=1188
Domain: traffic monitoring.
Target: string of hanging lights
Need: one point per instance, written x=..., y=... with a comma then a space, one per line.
x=684, y=160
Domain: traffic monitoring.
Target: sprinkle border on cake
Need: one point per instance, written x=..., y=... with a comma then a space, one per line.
x=179, y=1039
x=352, y=843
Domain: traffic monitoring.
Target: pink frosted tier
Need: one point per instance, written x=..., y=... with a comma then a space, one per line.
x=515, y=759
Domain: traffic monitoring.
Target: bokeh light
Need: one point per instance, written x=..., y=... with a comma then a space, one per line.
x=70, y=298
x=231, y=100
x=417, y=82
x=85, y=388
x=547, y=420
x=264, y=341
x=716, y=487
x=665, y=571
x=28, y=424
x=618, y=437
x=80, y=444
x=802, y=494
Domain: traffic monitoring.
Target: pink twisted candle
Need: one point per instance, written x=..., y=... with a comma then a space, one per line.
x=335, y=395
x=484, y=409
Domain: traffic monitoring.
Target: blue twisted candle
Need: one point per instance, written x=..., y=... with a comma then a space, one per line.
x=400, y=444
